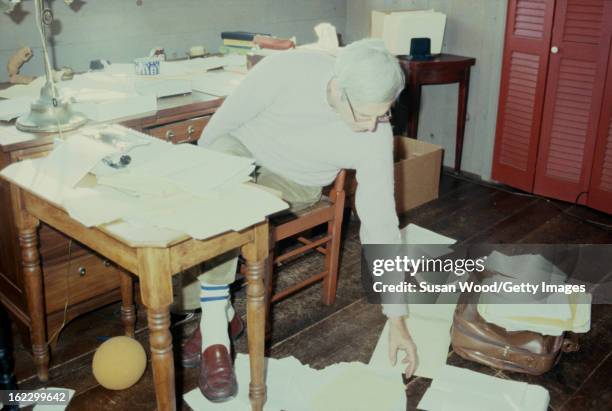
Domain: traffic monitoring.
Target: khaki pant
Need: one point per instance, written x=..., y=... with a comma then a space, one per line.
x=222, y=269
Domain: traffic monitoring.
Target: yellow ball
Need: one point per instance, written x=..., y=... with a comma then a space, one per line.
x=119, y=363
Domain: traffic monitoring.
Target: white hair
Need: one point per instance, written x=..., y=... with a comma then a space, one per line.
x=368, y=73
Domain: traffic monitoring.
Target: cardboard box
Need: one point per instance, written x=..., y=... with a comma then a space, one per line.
x=417, y=174
x=397, y=28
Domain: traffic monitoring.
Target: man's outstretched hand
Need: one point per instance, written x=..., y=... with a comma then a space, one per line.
x=400, y=340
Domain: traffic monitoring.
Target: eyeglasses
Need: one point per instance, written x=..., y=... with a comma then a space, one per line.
x=385, y=118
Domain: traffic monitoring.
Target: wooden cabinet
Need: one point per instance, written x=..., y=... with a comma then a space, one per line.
x=549, y=138
x=187, y=131
x=77, y=280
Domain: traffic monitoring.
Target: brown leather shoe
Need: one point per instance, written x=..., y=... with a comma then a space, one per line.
x=192, y=348
x=217, y=380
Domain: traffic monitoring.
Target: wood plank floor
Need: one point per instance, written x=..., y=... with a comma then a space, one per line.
x=348, y=330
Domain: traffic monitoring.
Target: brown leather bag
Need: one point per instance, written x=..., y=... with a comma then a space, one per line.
x=519, y=351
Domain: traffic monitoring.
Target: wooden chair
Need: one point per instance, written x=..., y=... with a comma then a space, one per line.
x=329, y=210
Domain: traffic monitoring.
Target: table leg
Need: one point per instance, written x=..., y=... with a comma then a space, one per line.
x=30, y=260
x=464, y=89
x=414, y=107
x=156, y=290
x=255, y=254
x=128, y=310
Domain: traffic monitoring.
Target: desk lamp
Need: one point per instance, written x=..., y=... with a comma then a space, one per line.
x=49, y=113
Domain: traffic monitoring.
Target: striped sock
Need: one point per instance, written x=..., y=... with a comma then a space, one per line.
x=214, y=300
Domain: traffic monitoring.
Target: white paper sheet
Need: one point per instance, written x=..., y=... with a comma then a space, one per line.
x=459, y=389
x=10, y=135
x=13, y=108
x=31, y=90
x=297, y=387
x=221, y=83
x=53, y=175
x=432, y=338
x=357, y=387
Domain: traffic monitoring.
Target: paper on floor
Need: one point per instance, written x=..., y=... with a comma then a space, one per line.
x=283, y=393
x=458, y=389
x=432, y=338
x=297, y=387
x=357, y=387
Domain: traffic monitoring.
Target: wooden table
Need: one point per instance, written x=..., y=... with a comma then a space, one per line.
x=442, y=69
x=154, y=266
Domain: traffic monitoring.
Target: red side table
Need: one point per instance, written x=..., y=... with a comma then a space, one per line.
x=442, y=69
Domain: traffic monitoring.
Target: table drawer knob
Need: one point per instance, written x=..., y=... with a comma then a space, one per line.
x=190, y=130
x=554, y=50
x=82, y=271
x=170, y=135
x=107, y=263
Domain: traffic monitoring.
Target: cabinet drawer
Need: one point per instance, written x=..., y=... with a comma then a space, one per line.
x=83, y=277
x=181, y=132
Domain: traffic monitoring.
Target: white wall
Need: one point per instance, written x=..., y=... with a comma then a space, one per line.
x=120, y=30
x=474, y=28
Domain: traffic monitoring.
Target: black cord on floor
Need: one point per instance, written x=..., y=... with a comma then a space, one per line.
x=564, y=210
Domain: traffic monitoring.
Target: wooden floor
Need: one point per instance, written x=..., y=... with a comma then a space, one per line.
x=348, y=331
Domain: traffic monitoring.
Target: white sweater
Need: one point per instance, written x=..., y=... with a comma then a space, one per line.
x=281, y=114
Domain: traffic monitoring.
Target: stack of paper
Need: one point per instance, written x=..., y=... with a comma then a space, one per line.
x=398, y=28
x=546, y=313
x=459, y=389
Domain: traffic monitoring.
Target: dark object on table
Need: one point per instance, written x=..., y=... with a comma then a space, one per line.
x=420, y=49
x=98, y=64
x=442, y=69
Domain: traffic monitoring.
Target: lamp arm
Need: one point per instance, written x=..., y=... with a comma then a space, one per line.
x=39, y=6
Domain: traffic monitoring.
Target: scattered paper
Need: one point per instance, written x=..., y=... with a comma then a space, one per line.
x=10, y=135
x=459, y=389
x=31, y=90
x=432, y=338
x=357, y=387
x=52, y=176
x=297, y=387
x=13, y=108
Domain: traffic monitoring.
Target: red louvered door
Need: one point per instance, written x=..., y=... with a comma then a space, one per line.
x=521, y=102
x=600, y=193
x=574, y=93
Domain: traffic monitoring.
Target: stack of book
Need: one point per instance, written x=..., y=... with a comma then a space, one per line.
x=237, y=42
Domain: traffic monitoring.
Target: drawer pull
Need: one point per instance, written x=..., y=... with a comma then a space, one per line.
x=82, y=271
x=107, y=263
x=170, y=135
x=190, y=132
